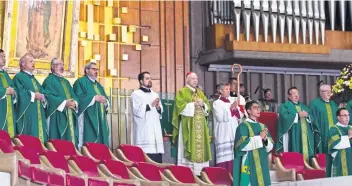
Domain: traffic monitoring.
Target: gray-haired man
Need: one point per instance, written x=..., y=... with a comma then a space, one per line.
x=31, y=118
x=93, y=105
x=62, y=104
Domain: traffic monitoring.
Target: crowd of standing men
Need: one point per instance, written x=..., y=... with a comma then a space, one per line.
x=55, y=109
x=77, y=113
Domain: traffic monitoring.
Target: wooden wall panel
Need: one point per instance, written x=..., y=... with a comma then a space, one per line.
x=170, y=44
x=162, y=47
x=134, y=4
x=150, y=5
x=179, y=44
x=150, y=61
x=186, y=56
x=151, y=19
x=131, y=67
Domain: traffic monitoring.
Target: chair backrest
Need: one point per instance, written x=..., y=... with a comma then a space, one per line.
x=31, y=142
x=133, y=153
x=5, y=146
x=86, y=165
x=57, y=160
x=117, y=168
x=270, y=119
x=28, y=153
x=218, y=175
x=98, y=151
x=292, y=160
x=5, y=136
x=65, y=147
x=321, y=158
x=149, y=171
x=182, y=174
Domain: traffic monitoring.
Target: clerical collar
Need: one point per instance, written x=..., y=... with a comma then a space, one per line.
x=251, y=120
x=144, y=89
x=91, y=79
x=295, y=103
x=57, y=75
x=29, y=73
x=224, y=99
x=193, y=89
x=326, y=101
x=341, y=125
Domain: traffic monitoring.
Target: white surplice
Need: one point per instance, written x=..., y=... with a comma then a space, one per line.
x=146, y=127
x=225, y=126
x=181, y=160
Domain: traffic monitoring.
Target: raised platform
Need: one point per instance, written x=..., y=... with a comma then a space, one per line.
x=340, y=181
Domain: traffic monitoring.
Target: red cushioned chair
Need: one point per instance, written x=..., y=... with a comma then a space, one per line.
x=30, y=141
x=99, y=152
x=319, y=162
x=67, y=148
x=292, y=167
x=216, y=175
x=35, y=171
x=181, y=174
x=134, y=154
x=270, y=119
x=56, y=160
x=85, y=165
x=152, y=173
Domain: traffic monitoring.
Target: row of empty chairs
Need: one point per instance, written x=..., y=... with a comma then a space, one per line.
x=60, y=163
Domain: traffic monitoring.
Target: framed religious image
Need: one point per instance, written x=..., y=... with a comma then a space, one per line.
x=43, y=29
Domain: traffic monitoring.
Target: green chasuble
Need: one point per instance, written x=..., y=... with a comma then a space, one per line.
x=62, y=124
x=7, y=114
x=300, y=134
x=349, y=108
x=250, y=167
x=95, y=128
x=31, y=119
x=339, y=162
x=324, y=116
x=195, y=131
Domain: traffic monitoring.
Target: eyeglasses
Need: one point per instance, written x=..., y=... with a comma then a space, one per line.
x=345, y=115
x=96, y=69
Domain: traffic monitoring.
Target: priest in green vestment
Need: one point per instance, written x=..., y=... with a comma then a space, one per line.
x=324, y=116
x=253, y=144
x=190, y=126
x=349, y=108
x=31, y=119
x=62, y=105
x=295, y=129
x=93, y=105
x=339, y=161
x=7, y=100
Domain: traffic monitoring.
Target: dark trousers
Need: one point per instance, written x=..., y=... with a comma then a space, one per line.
x=156, y=157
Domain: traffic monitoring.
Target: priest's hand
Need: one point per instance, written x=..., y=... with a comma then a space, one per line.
x=350, y=133
x=10, y=91
x=200, y=102
x=234, y=105
x=155, y=102
x=70, y=103
x=264, y=134
x=303, y=114
x=39, y=96
x=100, y=99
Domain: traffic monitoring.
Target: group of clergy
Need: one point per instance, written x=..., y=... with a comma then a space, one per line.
x=55, y=109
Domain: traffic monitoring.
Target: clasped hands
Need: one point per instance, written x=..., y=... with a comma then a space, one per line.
x=303, y=114
x=10, y=91
x=264, y=134
x=156, y=103
x=70, y=103
x=199, y=103
x=234, y=105
x=100, y=99
x=39, y=96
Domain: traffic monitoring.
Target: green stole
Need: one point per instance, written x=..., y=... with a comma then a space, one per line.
x=349, y=108
x=256, y=164
x=341, y=165
x=195, y=131
x=40, y=124
x=69, y=111
x=300, y=134
x=324, y=116
x=9, y=108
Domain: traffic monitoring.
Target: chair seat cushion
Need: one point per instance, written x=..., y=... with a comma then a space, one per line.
x=98, y=151
x=133, y=153
x=182, y=174
x=67, y=148
x=218, y=175
x=74, y=181
x=313, y=174
x=117, y=168
x=149, y=171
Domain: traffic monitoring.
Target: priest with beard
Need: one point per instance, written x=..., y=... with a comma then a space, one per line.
x=147, y=110
x=62, y=104
x=93, y=106
x=31, y=119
